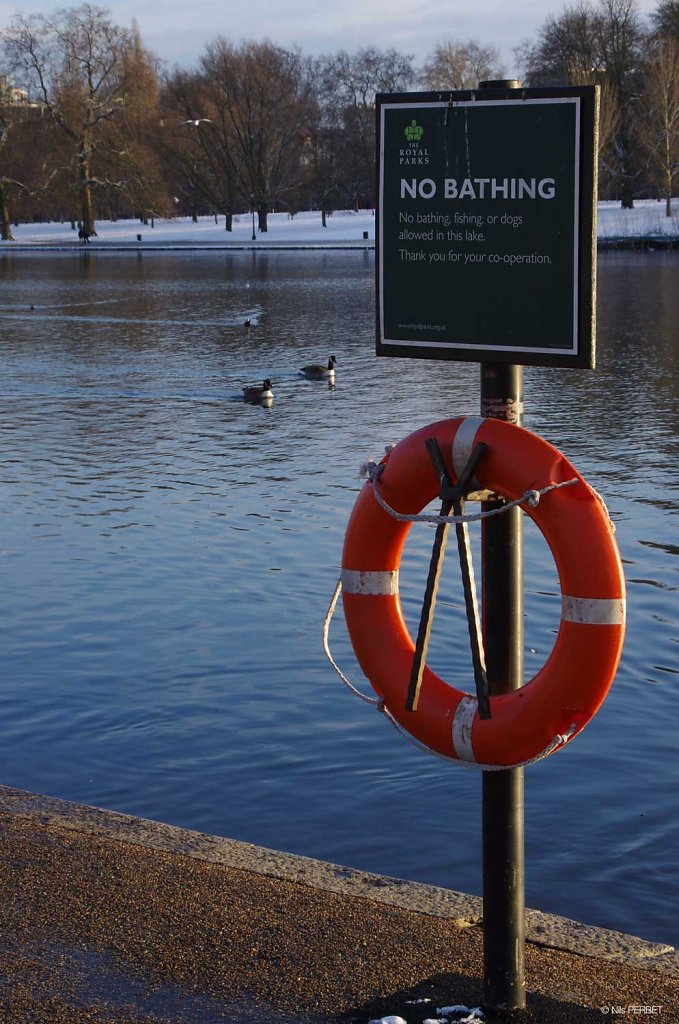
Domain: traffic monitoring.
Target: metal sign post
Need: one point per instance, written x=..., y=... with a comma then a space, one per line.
x=486, y=221
x=504, y=899
x=502, y=622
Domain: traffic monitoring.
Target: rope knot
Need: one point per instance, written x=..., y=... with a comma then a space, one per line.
x=381, y=705
x=367, y=470
x=371, y=470
x=533, y=498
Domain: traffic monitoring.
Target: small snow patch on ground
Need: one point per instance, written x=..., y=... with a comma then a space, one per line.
x=473, y=1014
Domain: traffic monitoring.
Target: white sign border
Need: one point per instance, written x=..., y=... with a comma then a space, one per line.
x=476, y=346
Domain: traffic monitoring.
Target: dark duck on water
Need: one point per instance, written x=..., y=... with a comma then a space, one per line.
x=258, y=392
x=316, y=371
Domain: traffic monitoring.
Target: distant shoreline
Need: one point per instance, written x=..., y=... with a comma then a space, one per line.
x=645, y=243
x=137, y=247
x=644, y=228
x=657, y=243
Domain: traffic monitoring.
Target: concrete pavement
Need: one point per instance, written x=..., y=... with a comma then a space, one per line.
x=110, y=919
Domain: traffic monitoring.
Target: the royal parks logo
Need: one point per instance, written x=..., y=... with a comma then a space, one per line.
x=413, y=153
x=413, y=131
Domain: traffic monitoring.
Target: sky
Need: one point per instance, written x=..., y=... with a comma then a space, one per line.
x=177, y=31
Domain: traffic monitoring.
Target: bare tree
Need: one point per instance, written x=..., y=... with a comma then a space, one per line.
x=10, y=101
x=76, y=65
x=659, y=121
x=203, y=142
x=25, y=137
x=460, y=65
x=568, y=52
x=598, y=43
x=264, y=99
x=567, y=49
x=361, y=75
x=609, y=124
x=126, y=163
x=622, y=49
x=665, y=18
x=357, y=78
x=322, y=152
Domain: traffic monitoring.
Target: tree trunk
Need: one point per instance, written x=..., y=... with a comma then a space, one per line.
x=262, y=216
x=5, y=223
x=626, y=197
x=324, y=222
x=228, y=221
x=87, y=208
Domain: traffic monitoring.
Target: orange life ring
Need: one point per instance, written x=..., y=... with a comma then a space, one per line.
x=570, y=687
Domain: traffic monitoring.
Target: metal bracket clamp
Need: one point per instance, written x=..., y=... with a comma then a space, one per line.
x=452, y=498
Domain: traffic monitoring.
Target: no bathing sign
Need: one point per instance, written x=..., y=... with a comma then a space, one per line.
x=486, y=225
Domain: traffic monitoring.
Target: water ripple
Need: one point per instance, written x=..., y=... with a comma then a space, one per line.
x=169, y=554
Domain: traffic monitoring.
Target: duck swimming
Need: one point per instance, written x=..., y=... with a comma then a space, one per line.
x=316, y=371
x=258, y=392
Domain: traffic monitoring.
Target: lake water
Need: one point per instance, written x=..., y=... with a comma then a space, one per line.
x=169, y=553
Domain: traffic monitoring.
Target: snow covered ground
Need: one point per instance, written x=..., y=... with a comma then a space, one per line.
x=646, y=220
x=345, y=228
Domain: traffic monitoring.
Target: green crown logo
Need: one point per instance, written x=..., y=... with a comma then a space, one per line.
x=413, y=131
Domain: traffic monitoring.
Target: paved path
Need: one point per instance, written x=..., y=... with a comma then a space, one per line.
x=110, y=919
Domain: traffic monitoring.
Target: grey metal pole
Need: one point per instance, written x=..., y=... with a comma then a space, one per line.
x=502, y=622
x=503, y=823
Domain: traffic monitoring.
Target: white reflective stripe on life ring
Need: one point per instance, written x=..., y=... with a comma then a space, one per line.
x=377, y=583
x=593, y=611
x=462, y=728
x=463, y=442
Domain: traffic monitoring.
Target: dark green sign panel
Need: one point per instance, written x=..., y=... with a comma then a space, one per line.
x=486, y=226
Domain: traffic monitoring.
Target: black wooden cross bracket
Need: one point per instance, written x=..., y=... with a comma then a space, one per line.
x=452, y=499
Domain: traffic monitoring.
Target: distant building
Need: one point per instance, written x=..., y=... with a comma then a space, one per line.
x=13, y=96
